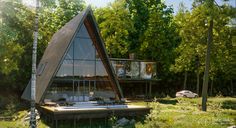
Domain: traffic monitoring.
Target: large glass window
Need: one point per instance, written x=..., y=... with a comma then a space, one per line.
x=60, y=91
x=82, y=59
x=66, y=69
x=84, y=49
x=83, y=33
x=87, y=74
x=100, y=69
x=70, y=54
x=84, y=68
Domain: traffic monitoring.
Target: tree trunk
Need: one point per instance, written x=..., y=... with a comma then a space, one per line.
x=207, y=64
x=232, y=87
x=212, y=83
x=198, y=82
x=33, y=75
x=185, y=79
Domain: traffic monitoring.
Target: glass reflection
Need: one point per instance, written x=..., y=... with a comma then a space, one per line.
x=66, y=69
x=84, y=49
x=100, y=69
x=147, y=70
x=70, y=54
x=119, y=67
x=84, y=68
x=88, y=79
x=134, y=69
x=83, y=33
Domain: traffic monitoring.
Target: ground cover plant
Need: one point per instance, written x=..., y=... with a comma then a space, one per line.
x=166, y=113
x=186, y=113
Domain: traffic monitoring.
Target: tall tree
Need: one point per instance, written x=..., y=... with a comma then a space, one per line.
x=15, y=35
x=193, y=28
x=10, y=46
x=160, y=38
x=33, y=75
x=207, y=64
x=180, y=19
x=115, y=24
x=140, y=15
x=16, y=30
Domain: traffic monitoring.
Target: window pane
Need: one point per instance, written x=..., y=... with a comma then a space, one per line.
x=66, y=69
x=119, y=67
x=100, y=69
x=84, y=49
x=69, y=54
x=134, y=69
x=41, y=68
x=83, y=33
x=147, y=70
x=84, y=68
x=60, y=91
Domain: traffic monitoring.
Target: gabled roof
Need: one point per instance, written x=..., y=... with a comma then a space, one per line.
x=57, y=49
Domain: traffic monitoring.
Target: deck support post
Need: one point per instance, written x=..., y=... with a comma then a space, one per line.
x=56, y=123
x=90, y=122
x=150, y=89
x=105, y=121
x=146, y=90
x=74, y=122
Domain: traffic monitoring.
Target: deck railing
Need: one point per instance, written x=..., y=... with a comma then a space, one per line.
x=134, y=69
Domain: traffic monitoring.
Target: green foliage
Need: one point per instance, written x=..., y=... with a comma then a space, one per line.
x=152, y=120
x=112, y=120
x=186, y=113
x=193, y=29
x=52, y=18
x=140, y=15
x=115, y=25
x=16, y=32
x=12, y=19
x=160, y=38
x=145, y=27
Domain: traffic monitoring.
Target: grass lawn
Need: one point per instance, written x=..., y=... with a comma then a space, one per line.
x=186, y=113
x=169, y=113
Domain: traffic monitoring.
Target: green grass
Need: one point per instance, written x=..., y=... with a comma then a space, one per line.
x=18, y=121
x=166, y=113
x=186, y=113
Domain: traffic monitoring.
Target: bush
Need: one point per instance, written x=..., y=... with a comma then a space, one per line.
x=228, y=104
x=152, y=120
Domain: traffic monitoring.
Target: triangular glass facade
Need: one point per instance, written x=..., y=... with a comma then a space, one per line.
x=82, y=76
x=81, y=59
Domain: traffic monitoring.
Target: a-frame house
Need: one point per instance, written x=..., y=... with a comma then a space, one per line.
x=75, y=65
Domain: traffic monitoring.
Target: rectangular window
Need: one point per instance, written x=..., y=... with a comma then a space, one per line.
x=41, y=68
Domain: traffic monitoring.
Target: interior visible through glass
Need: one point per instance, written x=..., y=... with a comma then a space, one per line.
x=82, y=76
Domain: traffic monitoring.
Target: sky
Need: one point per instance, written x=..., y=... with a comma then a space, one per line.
x=173, y=3
x=98, y=3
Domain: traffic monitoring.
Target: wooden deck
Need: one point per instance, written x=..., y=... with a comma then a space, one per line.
x=67, y=113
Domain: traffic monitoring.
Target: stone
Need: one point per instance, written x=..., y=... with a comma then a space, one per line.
x=122, y=122
x=132, y=121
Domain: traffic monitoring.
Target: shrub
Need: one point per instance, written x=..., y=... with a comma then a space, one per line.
x=152, y=120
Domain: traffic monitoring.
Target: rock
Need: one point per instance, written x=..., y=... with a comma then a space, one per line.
x=122, y=122
x=27, y=117
x=132, y=121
